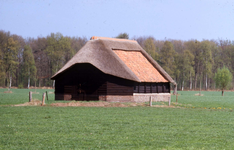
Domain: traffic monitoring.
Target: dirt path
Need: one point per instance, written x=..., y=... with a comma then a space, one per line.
x=90, y=104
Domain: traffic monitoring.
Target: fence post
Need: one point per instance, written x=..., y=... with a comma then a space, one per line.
x=43, y=99
x=150, y=101
x=30, y=96
x=47, y=96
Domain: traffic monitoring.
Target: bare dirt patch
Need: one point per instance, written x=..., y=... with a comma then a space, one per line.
x=32, y=103
x=104, y=104
x=198, y=94
x=164, y=106
x=91, y=104
x=7, y=91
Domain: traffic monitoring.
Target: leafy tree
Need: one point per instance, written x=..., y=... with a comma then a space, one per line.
x=184, y=67
x=39, y=46
x=206, y=60
x=29, y=68
x=193, y=47
x=2, y=73
x=59, y=51
x=150, y=48
x=123, y=36
x=10, y=59
x=167, y=58
x=223, y=78
x=77, y=43
x=4, y=36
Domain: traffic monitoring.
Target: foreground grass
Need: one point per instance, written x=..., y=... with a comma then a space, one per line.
x=115, y=128
x=201, y=122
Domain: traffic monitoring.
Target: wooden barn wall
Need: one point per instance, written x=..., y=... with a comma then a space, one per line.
x=119, y=86
x=152, y=88
x=82, y=81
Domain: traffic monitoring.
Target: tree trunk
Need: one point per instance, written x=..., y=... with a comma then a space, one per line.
x=53, y=83
x=195, y=82
x=39, y=82
x=190, y=82
x=6, y=82
x=206, y=81
x=10, y=83
x=35, y=85
x=208, y=84
x=200, y=88
x=28, y=82
x=182, y=86
x=222, y=92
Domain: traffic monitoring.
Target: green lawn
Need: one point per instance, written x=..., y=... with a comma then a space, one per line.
x=189, y=127
x=209, y=100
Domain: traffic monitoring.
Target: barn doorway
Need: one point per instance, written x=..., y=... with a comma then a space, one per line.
x=84, y=82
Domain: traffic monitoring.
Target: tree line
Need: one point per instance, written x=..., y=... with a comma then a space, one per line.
x=32, y=61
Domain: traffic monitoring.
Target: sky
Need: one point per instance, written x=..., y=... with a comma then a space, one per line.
x=161, y=19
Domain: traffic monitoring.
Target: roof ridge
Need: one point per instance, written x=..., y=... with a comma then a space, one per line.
x=114, y=39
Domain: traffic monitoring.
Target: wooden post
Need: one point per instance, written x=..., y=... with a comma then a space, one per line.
x=150, y=101
x=176, y=98
x=30, y=96
x=43, y=99
x=47, y=96
x=169, y=101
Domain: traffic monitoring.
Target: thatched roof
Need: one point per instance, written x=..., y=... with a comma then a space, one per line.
x=140, y=66
x=103, y=54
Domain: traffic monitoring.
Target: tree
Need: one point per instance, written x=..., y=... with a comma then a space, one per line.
x=184, y=67
x=58, y=51
x=150, y=48
x=193, y=46
x=167, y=58
x=29, y=68
x=10, y=59
x=4, y=36
x=207, y=60
x=2, y=73
x=122, y=36
x=223, y=78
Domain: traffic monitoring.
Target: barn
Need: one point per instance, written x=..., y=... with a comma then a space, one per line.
x=111, y=69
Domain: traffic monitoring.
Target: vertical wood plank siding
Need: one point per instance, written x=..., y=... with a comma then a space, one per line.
x=152, y=88
x=119, y=86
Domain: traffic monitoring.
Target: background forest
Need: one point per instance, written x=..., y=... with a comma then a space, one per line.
x=192, y=64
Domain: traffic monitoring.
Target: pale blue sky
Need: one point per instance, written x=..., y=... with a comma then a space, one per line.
x=171, y=19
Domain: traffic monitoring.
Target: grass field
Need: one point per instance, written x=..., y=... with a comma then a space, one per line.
x=201, y=122
x=209, y=100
